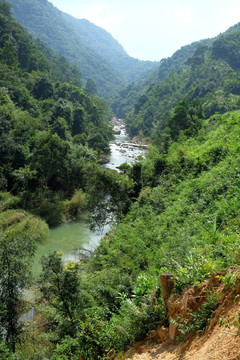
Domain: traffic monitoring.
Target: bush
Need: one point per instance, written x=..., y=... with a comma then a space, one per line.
x=73, y=207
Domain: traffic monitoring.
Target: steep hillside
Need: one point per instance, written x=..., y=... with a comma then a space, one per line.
x=46, y=22
x=211, y=75
x=105, y=45
x=185, y=222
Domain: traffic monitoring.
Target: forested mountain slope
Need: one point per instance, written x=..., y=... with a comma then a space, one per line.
x=185, y=221
x=46, y=22
x=210, y=75
x=52, y=135
x=92, y=49
x=124, y=102
x=105, y=45
x=178, y=63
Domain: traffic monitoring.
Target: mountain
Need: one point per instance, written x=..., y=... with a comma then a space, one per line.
x=179, y=59
x=83, y=44
x=178, y=207
x=105, y=45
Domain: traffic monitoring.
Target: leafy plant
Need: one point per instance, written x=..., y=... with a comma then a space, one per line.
x=198, y=320
x=16, y=255
x=230, y=280
x=60, y=286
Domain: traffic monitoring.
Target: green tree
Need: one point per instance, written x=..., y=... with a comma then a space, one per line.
x=90, y=87
x=9, y=54
x=79, y=122
x=180, y=119
x=60, y=127
x=5, y=8
x=43, y=88
x=49, y=159
x=109, y=195
x=16, y=255
x=60, y=286
x=62, y=109
x=198, y=57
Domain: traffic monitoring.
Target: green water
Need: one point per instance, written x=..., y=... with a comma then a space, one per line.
x=67, y=238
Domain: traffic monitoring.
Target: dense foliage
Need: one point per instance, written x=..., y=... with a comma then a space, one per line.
x=185, y=221
x=19, y=235
x=52, y=136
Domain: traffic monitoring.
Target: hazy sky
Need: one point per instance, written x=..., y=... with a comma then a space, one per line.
x=154, y=29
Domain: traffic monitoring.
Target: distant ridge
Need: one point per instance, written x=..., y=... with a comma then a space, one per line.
x=82, y=44
x=106, y=46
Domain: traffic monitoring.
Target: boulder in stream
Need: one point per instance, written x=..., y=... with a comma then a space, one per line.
x=116, y=131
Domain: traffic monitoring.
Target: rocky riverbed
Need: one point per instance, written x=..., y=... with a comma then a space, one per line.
x=124, y=149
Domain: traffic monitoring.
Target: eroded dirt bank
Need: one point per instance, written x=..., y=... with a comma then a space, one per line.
x=217, y=342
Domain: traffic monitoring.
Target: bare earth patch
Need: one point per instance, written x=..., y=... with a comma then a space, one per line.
x=216, y=343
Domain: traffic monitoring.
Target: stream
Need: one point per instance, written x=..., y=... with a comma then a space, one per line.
x=69, y=237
